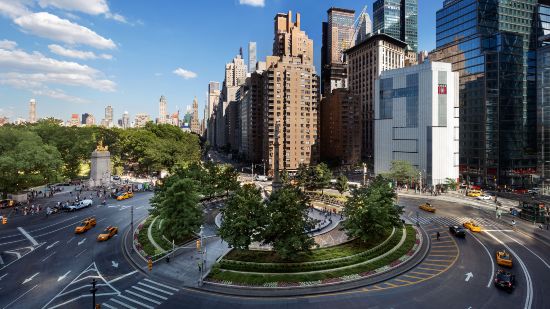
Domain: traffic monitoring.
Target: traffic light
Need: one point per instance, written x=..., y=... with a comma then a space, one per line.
x=97, y=306
x=198, y=245
x=4, y=220
x=150, y=264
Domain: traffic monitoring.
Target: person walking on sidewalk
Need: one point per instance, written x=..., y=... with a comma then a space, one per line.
x=438, y=235
x=513, y=224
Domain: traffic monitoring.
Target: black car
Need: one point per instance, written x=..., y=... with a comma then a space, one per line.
x=458, y=231
x=505, y=280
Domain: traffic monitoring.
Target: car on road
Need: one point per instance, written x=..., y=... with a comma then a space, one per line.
x=427, y=207
x=116, y=177
x=87, y=224
x=505, y=280
x=7, y=203
x=458, y=231
x=484, y=197
x=503, y=258
x=124, y=195
x=109, y=232
x=80, y=205
x=260, y=178
x=472, y=226
x=474, y=193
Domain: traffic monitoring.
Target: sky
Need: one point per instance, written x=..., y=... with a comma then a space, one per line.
x=78, y=56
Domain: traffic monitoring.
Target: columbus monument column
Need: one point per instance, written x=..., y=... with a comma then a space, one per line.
x=100, y=171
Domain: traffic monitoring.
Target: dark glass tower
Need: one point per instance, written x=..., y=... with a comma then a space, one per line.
x=397, y=18
x=489, y=42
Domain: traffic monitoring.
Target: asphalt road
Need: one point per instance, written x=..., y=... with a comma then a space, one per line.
x=52, y=267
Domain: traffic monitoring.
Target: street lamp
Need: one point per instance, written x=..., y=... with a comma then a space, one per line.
x=364, y=174
x=93, y=290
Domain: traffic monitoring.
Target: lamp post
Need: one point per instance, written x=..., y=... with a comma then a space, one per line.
x=93, y=290
x=201, y=263
x=364, y=174
x=132, y=223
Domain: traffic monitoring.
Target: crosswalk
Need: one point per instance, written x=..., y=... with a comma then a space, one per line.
x=144, y=294
x=446, y=221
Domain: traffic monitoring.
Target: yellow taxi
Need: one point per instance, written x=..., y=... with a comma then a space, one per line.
x=87, y=224
x=109, y=232
x=504, y=258
x=474, y=193
x=124, y=196
x=427, y=207
x=472, y=226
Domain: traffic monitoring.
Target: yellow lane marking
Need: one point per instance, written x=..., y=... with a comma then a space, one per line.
x=444, y=246
x=404, y=281
x=443, y=242
x=452, y=255
x=415, y=277
x=421, y=273
x=438, y=265
x=442, y=236
x=426, y=268
x=391, y=284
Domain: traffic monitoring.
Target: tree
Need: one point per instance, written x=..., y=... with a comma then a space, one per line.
x=243, y=217
x=403, y=171
x=228, y=179
x=287, y=223
x=371, y=211
x=342, y=183
x=178, y=205
x=451, y=183
x=323, y=175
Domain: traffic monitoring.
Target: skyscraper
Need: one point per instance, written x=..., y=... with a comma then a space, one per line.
x=365, y=28
x=399, y=19
x=213, y=96
x=141, y=119
x=163, y=114
x=291, y=98
x=109, y=115
x=88, y=119
x=252, y=57
x=32, y=111
x=337, y=37
x=195, y=125
x=125, y=120
x=235, y=72
x=542, y=22
x=495, y=58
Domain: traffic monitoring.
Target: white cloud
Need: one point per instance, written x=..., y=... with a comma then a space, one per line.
x=35, y=70
x=116, y=17
x=7, y=44
x=92, y=7
x=257, y=3
x=74, y=53
x=58, y=94
x=184, y=73
x=50, y=26
x=13, y=9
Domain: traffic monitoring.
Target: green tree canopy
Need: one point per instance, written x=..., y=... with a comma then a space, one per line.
x=227, y=178
x=403, y=171
x=287, y=223
x=342, y=183
x=323, y=175
x=371, y=211
x=243, y=217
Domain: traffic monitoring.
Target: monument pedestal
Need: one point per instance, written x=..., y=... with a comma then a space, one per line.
x=100, y=171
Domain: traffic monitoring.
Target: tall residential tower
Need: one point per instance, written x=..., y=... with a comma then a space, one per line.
x=32, y=111
x=252, y=57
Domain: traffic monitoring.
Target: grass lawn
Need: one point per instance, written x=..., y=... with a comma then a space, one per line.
x=256, y=279
x=144, y=240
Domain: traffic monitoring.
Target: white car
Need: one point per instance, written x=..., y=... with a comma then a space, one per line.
x=484, y=197
x=261, y=178
x=80, y=205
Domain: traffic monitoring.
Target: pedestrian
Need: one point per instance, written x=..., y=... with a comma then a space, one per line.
x=438, y=235
x=48, y=210
x=513, y=224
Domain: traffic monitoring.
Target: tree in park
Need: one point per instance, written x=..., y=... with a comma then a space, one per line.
x=371, y=211
x=228, y=178
x=323, y=175
x=243, y=217
x=287, y=222
x=178, y=204
x=403, y=171
x=342, y=183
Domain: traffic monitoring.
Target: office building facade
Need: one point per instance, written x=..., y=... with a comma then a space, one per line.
x=32, y=111
x=252, y=57
x=397, y=18
x=416, y=120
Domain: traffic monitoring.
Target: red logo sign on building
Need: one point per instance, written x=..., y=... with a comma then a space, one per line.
x=442, y=89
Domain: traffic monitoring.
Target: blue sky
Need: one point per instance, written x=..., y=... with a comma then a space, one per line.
x=77, y=56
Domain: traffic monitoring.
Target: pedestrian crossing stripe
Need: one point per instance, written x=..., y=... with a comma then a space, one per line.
x=448, y=221
x=144, y=294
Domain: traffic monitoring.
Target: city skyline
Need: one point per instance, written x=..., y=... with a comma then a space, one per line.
x=119, y=68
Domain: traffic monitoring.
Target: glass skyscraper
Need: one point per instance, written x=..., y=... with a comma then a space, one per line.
x=542, y=40
x=397, y=18
x=490, y=44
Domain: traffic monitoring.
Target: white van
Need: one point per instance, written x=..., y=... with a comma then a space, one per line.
x=80, y=205
x=260, y=178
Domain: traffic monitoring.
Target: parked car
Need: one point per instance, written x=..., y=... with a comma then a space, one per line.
x=458, y=231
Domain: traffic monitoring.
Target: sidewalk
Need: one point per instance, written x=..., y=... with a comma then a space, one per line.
x=490, y=208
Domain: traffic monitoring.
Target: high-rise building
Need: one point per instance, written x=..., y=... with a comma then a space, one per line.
x=252, y=57
x=108, y=116
x=291, y=97
x=195, y=124
x=337, y=37
x=365, y=28
x=141, y=119
x=542, y=22
x=252, y=118
x=399, y=19
x=341, y=128
x=125, y=120
x=490, y=44
x=378, y=53
x=88, y=119
x=235, y=72
x=32, y=111
x=416, y=120
x=74, y=121
x=213, y=96
x=163, y=113
x=84, y=118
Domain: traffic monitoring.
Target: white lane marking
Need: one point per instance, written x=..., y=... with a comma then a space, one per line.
x=29, y=237
x=11, y=242
x=45, y=227
x=31, y=250
x=490, y=257
x=122, y=304
x=123, y=276
x=529, y=296
x=17, y=254
x=20, y=296
x=163, y=285
x=114, y=264
x=50, y=246
x=469, y=276
x=108, y=306
x=547, y=266
x=82, y=241
x=63, y=277
x=1, y=260
x=149, y=292
x=3, y=276
x=77, y=298
x=30, y=278
x=71, y=239
x=498, y=230
x=143, y=297
x=80, y=253
x=135, y=301
x=140, y=207
x=155, y=288
x=44, y=259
